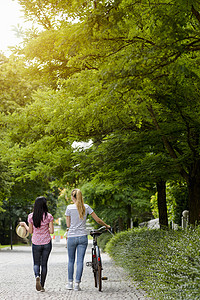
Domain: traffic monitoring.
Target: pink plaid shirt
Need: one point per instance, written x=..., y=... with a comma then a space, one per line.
x=41, y=235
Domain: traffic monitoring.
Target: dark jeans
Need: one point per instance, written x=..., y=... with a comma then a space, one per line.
x=40, y=259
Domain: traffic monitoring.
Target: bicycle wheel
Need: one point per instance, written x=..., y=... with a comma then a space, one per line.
x=99, y=270
x=99, y=278
x=94, y=266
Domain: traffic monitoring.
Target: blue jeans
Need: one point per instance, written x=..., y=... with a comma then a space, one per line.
x=76, y=244
x=40, y=259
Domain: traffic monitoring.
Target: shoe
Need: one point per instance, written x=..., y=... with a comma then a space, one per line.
x=77, y=287
x=69, y=286
x=38, y=284
x=42, y=289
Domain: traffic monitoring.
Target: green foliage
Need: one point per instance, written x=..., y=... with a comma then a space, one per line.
x=126, y=75
x=180, y=193
x=103, y=240
x=16, y=84
x=171, y=204
x=63, y=223
x=113, y=202
x=5, y=184
x=177, y=201
x=166, y=263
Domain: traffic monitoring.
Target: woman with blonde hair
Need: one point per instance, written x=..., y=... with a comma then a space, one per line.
x=77, y=240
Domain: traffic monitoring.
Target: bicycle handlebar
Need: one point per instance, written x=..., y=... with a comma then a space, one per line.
x=101, y=228
x=104, y=227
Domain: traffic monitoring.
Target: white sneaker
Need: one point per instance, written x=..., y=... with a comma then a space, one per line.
x=77, y=287
x=69, y=286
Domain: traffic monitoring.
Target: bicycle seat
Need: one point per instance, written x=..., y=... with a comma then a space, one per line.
x=95, y=232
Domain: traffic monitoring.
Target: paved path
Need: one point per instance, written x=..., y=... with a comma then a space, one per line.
x=17, y=280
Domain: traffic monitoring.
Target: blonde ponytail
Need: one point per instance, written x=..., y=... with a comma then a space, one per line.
x=79, y=202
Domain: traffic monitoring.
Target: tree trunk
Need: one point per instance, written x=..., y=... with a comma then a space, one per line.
x=121, y=224
x=128, y=216
x=194, y=193
x=162, y=204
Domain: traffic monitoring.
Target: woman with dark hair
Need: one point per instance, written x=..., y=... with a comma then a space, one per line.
x=77, y=240
x=41, y=226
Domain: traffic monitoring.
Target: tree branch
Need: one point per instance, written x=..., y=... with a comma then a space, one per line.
x=191, y=136
x=167, y=144
x=196, y=13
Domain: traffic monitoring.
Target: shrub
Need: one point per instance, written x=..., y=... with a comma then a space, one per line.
x=103, y=240
x=166, y=263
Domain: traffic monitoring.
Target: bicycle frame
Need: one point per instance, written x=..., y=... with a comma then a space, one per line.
x=96, y=263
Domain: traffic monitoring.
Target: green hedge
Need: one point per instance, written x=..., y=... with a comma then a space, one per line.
x=103, y=240
x=166, y=263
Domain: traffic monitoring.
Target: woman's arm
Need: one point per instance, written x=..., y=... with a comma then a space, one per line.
x=98, y=220
x=28, y=228
x=68, y=221
x=51, y=227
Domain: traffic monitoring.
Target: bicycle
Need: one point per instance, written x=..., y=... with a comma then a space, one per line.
x=96, y=263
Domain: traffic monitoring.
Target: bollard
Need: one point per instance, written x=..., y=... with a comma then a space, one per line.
x=185, y=219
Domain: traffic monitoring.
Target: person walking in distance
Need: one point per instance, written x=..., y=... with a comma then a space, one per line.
x=77, y=240
x=40, y=226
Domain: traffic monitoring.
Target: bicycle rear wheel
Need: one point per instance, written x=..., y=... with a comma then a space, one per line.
x=99, y=269
x=99, y=278
x=94, y=266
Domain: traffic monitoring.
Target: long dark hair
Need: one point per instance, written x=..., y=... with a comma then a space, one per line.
x=40, y=208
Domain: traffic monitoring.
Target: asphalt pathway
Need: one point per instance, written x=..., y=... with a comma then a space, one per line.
x=17, y=279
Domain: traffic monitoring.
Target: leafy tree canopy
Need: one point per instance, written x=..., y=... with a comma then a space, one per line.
x=124, y=66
